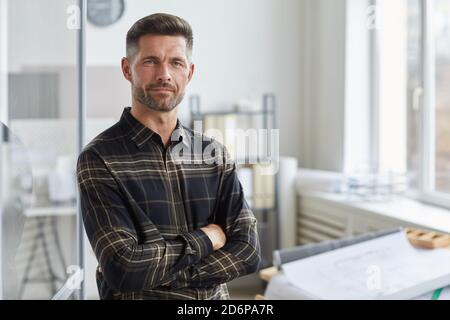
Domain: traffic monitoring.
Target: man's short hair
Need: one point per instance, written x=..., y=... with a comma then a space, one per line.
x=159, y=24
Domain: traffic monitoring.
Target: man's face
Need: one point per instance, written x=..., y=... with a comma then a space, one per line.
x=159, y=72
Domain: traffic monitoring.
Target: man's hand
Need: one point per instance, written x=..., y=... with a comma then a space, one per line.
x=216, y=235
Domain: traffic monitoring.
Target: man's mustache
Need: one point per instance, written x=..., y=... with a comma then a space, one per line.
x=159, y=86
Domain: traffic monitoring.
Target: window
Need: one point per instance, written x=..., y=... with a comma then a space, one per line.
x=410, y=94
x=441, y=26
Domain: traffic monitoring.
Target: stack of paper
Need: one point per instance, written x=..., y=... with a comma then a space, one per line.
x=388, y=267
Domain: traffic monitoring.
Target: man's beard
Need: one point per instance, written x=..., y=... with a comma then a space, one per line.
x=145, y=97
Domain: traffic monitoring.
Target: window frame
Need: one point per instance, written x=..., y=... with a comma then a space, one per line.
x=426, y=95
x=427, y=191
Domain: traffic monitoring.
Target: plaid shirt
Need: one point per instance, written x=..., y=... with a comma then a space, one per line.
x=143, y=209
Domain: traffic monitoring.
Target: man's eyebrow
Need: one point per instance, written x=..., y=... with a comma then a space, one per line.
x=150, y=57
x=178, y=59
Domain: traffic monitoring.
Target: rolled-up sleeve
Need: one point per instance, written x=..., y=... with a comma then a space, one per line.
x=126, y=264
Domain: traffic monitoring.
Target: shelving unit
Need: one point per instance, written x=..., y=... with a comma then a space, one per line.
x=268, y=217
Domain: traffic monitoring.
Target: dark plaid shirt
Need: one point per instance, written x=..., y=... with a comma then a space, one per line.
x=142, y=209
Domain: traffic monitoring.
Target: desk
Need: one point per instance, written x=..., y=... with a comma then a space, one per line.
x=281, y=288
x=46, y=215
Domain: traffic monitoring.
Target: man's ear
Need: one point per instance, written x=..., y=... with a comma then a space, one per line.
x=126, y=68
x=191, y=71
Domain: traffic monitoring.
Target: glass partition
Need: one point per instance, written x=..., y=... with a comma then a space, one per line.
x=39, y=144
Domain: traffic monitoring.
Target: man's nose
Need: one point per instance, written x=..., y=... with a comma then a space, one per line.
x=163, y=74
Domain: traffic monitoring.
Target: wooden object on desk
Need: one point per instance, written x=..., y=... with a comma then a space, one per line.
x=268, y=273
x=427, y=239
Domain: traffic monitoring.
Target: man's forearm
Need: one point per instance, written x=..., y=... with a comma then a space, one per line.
x=240, y=256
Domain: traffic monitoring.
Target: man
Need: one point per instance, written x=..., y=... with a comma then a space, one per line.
x=163, y=228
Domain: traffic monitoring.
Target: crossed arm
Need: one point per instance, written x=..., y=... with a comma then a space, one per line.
x=202, y=258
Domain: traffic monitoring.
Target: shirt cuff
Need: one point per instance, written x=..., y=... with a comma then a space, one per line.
x=199, y=243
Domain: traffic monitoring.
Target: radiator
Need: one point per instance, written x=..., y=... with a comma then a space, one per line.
x=319, y=220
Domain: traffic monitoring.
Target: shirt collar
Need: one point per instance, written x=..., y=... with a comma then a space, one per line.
x=140, y=134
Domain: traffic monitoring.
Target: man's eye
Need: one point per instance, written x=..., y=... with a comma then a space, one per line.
x=178, y=64
x=149, y=61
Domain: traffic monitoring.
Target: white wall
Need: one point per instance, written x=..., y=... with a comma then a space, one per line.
x=323, y=84
x=358, y=108
x=38, y=34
